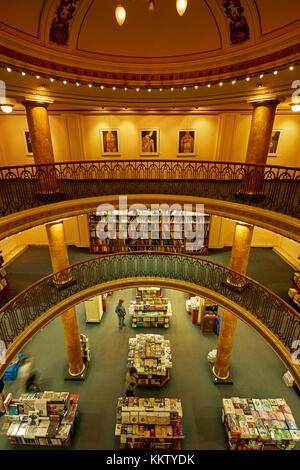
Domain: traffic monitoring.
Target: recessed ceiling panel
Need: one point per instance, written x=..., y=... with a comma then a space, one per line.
x=276, y=14
x=22, y=15
x=145, y=34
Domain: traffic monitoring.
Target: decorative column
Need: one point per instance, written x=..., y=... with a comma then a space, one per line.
x=60, y=260
x=40, y=136
x=258, y=145
x=238, y=262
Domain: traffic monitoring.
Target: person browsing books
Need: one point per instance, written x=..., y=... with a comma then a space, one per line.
x=131, y=381
x=121, y=312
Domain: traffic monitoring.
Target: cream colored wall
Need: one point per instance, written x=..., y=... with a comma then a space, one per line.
x=129, y=126
x=75, y=136
x=288, y=250
x=222, y=233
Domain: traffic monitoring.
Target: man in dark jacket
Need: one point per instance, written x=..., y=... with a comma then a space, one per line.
x=121, y=312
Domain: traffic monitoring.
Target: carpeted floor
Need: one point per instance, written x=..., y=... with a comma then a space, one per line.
x=256, y=370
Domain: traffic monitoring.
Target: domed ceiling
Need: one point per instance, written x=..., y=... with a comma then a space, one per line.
x=214, y=40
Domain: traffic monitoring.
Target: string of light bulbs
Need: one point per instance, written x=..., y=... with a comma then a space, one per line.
x=120, y=12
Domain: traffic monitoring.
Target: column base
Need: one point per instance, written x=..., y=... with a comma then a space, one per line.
x=63, y=285
x=50, y=196
x=80, y=377
x=251, y=195
x=233, y=287
x=216, y=379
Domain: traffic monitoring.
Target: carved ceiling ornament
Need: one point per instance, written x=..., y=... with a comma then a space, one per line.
x=59, y=31
x=239, y=29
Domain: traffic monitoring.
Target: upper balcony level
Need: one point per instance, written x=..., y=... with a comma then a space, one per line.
x=267, y=196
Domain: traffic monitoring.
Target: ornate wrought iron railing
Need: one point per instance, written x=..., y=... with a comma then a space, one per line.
x=269, y=187
x=266, y=309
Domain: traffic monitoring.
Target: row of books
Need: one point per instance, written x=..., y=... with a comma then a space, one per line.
x=150, y=404
x=150, y=431
x=269, y=421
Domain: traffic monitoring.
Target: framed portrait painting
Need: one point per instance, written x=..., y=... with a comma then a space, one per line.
x=274, y=143
x=149, y=141
x=109, y=141
x=186, y=142
x=28, y=145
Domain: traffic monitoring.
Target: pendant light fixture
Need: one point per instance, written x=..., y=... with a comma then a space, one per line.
x=181, y=6
x=151, y=6
x=120, y=13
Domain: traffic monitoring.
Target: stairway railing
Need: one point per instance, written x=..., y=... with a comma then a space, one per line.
x=278, y=322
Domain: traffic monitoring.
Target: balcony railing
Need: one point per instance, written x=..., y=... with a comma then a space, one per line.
x=271, y=315
x=269, y=187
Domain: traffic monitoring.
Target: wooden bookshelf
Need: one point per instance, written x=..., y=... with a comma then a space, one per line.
x=151, y=355
x=151, y=242
x=209, y=315
x=4, y=285
x=147, y=293
x=149, y=423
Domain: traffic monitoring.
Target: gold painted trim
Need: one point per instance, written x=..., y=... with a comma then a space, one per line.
x=279, y=223
x=79, y=373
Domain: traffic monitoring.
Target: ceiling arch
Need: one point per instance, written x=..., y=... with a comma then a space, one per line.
x=213, y=38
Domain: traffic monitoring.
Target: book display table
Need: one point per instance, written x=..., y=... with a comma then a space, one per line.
x=41, y=419
x=151, y=356
x=151, y=313
x=146, y=293
x=149, y=423
x=259, y=424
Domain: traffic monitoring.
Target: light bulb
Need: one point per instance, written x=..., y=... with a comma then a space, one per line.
x=6, y=108
x=37, y=76
x=151, y=6
x=51, y=79
x=181, y=6
x=90, y=85
x=275, y=72
x=65, y=82
x=208, y=85
x=196, y=87
x=77, y=84
x=247, y=79
x=296, y=108
x=261, y=75
x=120, y=14
x=8, y=69
x=23, y=73
x=291, y=67
x=221, y=84
x=233, y=82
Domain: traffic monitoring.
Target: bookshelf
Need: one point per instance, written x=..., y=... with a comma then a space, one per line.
x=151, y=355
x=151, y=234
x=150, y=313
x=259, y=424
x=41, y=419
x=4, y=285
x=149, y=423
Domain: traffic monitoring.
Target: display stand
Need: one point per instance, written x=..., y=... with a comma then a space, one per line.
x=145, y=293
x=209, y=313
x=259, y=424
x=93, y=309
x=151, y=356
x=41, y=419
x=150, y=313
x=294, y=291
x=149, y=423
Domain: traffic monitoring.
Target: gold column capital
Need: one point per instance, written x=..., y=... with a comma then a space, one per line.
x=37, y=102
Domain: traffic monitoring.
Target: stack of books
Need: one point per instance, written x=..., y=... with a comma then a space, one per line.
x=252, y=423
x=149, y=420
x=150, y=313
x=42, y=418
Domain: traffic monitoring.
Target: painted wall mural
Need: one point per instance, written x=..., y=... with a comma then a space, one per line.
x=59, y=31
x=239, y=29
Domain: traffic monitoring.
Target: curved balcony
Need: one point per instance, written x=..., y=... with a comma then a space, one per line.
x=270, y=190
x=35, y=307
